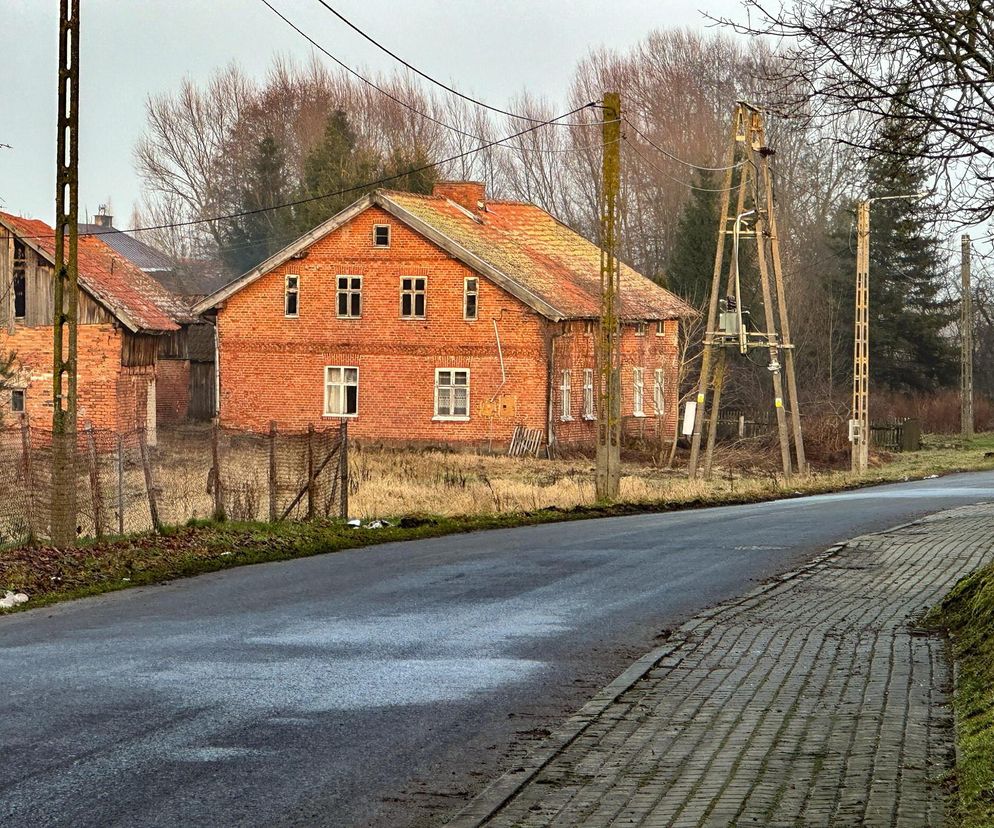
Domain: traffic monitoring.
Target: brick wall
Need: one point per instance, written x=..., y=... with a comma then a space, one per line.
x=99, y=348
x=574, y=351
x=172, y=390
x=272, y=367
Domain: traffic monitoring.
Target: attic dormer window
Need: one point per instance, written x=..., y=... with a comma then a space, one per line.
x=381, y=235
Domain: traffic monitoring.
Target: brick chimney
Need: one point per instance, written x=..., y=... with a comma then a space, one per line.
x=469, y=194
x=103, y=218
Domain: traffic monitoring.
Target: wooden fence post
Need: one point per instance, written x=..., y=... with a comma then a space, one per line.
x=95, y=499
x=344, y=469
x=311, y=504
x=216, y=471
x=120, y=484
x=272, y=471
x=153, y=507
x=28, y=476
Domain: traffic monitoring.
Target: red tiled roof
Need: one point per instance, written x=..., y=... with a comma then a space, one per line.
x=542, y=255
x=132, y=296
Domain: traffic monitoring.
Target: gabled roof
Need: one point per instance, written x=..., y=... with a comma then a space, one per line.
x=520, y=247
x=134, y=250
x=139, y=302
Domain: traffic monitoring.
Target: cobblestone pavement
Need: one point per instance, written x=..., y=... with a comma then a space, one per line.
x=813, y=701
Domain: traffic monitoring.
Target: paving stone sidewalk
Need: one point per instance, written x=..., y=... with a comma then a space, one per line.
x=811, y=702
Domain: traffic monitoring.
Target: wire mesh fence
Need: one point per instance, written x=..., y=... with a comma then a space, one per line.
x=122, y=483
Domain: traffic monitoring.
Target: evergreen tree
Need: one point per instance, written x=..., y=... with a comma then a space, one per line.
x=335, y=165
x=691, y=262
x=908, y=348
x=264, y=183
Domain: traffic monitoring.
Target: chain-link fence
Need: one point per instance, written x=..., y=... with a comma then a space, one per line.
x=123, y=482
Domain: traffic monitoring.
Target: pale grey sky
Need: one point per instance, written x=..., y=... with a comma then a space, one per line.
x=134, y=48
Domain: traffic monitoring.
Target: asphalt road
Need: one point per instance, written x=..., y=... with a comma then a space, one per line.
x=383, y=685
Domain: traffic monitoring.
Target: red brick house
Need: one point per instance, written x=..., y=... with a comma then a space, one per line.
x=440, y=319
x=123, y=314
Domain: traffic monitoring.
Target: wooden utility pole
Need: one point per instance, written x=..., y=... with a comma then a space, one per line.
x=966, y=342
x=608, y=474
x=859, y=425
x=754, y=218
x=66, y=288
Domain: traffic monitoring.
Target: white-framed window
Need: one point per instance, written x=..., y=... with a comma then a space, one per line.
x=660, y=327
x=641, y=328
x=291, y=296
x=565, y=396
x=451, y=393
x=638, y=392
x=588, y=394
x=471, y=298
x=412, y=297
x=349, y=298
x=17, y=401
x=658, y=387
x=341, y=391
x=381, y=235
x=589, y=326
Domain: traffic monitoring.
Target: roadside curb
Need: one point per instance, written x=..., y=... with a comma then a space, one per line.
x=493, y=798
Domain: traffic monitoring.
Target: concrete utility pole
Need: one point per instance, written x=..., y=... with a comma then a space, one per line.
x=608, y=474
x=859, y=425
x=752, y=217
x=66, y=288
x=966, y=342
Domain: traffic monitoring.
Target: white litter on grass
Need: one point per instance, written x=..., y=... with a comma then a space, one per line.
x=225, y=554
x=930, y=477
x=12, y=599
x=355, y=523
x=378, y=524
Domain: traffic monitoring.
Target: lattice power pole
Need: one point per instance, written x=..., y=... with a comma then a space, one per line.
x=966, y=342
x=66, y=288
x=753, y=217
x=608, y=473
x=859, y=425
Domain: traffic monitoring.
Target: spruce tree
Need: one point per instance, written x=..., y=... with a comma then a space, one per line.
x=691, y=262
x=264, y=184
x=909, y=350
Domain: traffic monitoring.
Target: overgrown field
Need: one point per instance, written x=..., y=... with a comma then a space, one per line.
x=388, y=482
x=968, y=614
x=431, y=493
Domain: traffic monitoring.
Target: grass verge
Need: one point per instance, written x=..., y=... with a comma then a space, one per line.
x=968, y=614
x=50, y=575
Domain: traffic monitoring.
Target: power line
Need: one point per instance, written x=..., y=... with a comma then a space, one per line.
x=435, y=81
x=673, y=157
x=686, y=184
x=356, y=188
x=404, y=103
